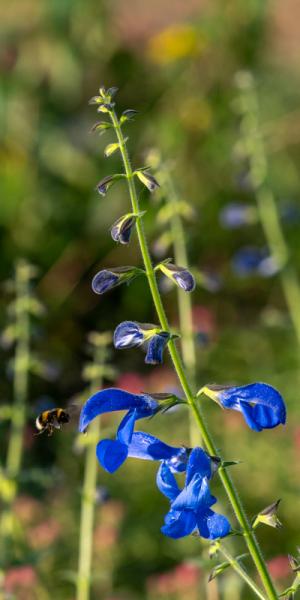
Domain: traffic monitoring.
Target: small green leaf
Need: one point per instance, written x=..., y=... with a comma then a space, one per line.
x=218, y=569
x=111, y=148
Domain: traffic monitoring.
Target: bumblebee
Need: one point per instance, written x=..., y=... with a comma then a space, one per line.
x=51, y=419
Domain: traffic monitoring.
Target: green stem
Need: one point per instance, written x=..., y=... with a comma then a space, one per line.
x=241, y=572
x=210, y=446
x=89, y=494
x=266, y=204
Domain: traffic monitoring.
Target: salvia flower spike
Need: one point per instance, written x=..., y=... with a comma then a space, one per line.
x=107, y=279
x=260, y=404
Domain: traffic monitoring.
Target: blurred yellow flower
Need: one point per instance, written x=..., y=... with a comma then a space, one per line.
x=175, y=42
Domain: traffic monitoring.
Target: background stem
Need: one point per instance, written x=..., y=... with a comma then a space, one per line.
x=88, y=499
x=265, y=200
x=208, y=441
x=241, y=572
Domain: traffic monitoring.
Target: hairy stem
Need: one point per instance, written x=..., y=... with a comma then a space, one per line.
x=89, y=493
x=206, y=436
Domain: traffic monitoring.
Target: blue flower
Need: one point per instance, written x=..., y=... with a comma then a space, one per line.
x=121, y=229
x=112, y=453
x=260, y=404
x=147, y=447
x=130, y=334
x=107, y=279
x=180, y=275
x=254, y=261
x=235, y=215
x=191, y=507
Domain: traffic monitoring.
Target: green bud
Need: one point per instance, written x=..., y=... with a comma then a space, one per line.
x=268, y=516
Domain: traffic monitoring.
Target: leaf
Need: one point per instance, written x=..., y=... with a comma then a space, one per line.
x=230, y=463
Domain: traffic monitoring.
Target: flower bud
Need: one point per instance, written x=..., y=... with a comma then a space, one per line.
x=181, y=276
x=268, y=516
x=107, y=279
x=121, y=229
x=147, y=179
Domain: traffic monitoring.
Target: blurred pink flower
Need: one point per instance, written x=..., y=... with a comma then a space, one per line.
x=182, y=579
x=18, y=578
x=44, y=534
x=162, y=380
x=297, y=438
x=204, y=321
x=279, y=567
x=131, y=382
x=105, y=536
x=112, y=512
x=27, y=509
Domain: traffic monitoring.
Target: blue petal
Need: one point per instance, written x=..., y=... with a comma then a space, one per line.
x=104, y=281
x=235, y=214
x=195, y=496
x=247, y=260
x=148, y=447
x=199, y=463
x=185, y=280
x=156, y=347
x=179, y=523
x=112, y=399
x=212, y=526
x=126, y=427
x=127, y=335
x=261, y=404
x=111, y=454
x=166, y=482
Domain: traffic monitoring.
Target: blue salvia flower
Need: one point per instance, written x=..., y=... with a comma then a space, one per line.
x=122, y=228
x=254, y=261
x=130, y=334
x=191, y=507
x=112, y=453
x=179, y=275
x=107, y=279
x=260, y=404
x=235, y=215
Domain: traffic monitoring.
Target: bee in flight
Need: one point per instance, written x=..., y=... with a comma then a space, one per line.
x=51, y=419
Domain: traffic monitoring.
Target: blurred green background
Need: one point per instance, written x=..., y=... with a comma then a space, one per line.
x=175, y=63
